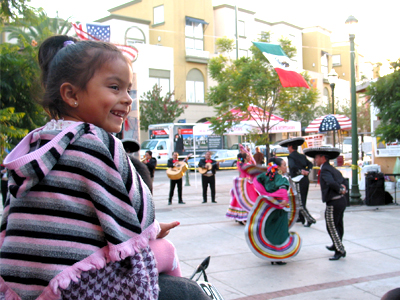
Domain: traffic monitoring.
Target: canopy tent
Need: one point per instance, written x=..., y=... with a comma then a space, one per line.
x=251, y=120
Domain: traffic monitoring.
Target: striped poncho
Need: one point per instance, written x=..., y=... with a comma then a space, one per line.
x=77, y=212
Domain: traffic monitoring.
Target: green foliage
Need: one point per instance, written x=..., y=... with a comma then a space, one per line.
x=36, y=30
x=10, y=9
x=224, y=44
x=286, y=45
x=8, y=119
x=20, y=84
x=155, y=109
x=252, y=81
x=385, y=95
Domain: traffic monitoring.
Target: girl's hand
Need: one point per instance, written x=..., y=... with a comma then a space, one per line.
x=165, y=228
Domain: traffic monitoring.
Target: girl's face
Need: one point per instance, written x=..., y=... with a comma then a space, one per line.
x=283, y=167
x=106, y=101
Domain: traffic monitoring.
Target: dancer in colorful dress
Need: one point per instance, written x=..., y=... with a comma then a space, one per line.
x=235, y=209
x=271, y=216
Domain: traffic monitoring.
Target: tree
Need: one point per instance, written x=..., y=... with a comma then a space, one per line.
x=253, y=82
x=20, y=85
x=36, y=30
x=156, y=109
x=7, y=129
x=10, y=9
x=385, y=95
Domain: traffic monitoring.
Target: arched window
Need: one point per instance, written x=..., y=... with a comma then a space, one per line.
x=195, y=86
x=134, y=35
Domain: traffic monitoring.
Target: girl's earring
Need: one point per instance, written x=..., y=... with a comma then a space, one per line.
x=76, y=104
x=279, y=172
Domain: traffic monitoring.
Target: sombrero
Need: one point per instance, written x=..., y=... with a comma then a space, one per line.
x=130, y=144
x=296, y=141
x=332, y=153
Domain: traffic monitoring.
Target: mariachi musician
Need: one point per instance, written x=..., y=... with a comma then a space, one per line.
x=210, y=167
x=174, y=162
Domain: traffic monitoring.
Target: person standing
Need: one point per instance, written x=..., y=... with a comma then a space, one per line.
x=208, y=178
x=300, y=165
x=259, y=157
x=333, y=189
x=172, y=162
x=151, y=163
x=178, y=139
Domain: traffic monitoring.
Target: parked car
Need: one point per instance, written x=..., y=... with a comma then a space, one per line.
x=227, y=158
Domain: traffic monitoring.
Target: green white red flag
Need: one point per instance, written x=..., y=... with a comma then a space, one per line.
x=283, y=65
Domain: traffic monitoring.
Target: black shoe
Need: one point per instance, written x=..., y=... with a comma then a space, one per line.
x=308, y=224
x=281, y=263
x=204, y=202
x=169, y=202
x=181, y=202
x=338, y=255
x=214, y=201
x=331, y=248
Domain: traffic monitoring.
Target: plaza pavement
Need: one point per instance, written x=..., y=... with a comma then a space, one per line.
x=372, y=241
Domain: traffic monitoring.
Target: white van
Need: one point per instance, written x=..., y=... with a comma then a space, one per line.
x=160, y=149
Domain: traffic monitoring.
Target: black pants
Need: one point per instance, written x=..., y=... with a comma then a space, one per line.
x=304, y=185
x=4, y=190
x=172, y=184
x=334, y=221
x=208, y=180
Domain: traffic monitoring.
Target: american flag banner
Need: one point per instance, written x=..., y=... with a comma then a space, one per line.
x=98, y=32
x=102, y=33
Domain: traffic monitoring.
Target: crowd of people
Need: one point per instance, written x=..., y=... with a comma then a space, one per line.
x=79, y=195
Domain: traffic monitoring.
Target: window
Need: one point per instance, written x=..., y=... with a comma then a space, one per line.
x=161, y=78
x=241, y=31
x=336, y=60
x=194, y=37
x=134, y=35
x=158, y=14
x=324, y=64
x=195, y=86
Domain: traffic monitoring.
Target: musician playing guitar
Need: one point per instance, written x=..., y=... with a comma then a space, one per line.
x=208, y=177
x=172, y=162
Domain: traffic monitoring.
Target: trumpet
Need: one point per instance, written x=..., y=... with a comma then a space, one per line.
x=143, y=159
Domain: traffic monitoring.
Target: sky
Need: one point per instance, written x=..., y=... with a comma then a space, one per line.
x=377, y=35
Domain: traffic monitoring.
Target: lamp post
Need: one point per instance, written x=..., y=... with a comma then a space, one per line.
x=332, y=79
x=355, y=196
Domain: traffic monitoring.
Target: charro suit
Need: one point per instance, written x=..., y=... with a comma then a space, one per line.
x=208, y=178
x=331, y=181
x=297, y=163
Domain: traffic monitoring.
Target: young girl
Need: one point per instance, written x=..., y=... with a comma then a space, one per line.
x=79, y=221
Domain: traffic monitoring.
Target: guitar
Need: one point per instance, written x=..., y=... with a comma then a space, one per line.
x=208, y=167
x=179, y=169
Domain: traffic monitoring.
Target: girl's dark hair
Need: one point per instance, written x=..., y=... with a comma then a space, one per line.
x=74, y=63
x=276, y=160
x=242, y=157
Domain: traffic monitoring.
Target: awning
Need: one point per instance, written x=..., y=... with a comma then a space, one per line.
x=194, y=20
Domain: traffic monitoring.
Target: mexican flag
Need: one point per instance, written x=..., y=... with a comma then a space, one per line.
x=283, y=65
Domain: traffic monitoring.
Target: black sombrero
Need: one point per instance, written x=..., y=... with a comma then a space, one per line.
x=296, y=141
x=332, y=153
x=130, y=144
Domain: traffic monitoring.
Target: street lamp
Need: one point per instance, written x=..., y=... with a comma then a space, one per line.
x=355, y=196
x=332, y=79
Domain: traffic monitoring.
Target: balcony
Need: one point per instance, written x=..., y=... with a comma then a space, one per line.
x=197, y=56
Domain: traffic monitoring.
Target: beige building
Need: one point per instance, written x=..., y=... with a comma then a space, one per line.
x=188, y=28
